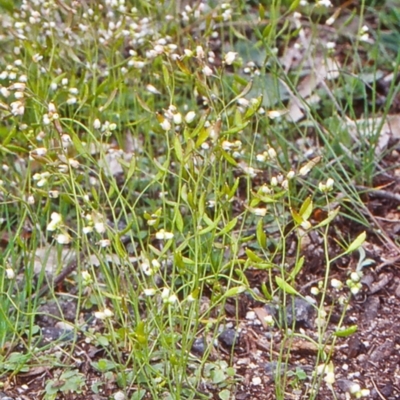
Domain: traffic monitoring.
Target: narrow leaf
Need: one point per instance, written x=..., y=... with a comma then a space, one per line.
x=360, y=239
x=346, y=332
x=228, y=227
x=285, y=286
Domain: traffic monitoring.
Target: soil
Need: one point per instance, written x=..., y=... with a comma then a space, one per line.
x=370, y=357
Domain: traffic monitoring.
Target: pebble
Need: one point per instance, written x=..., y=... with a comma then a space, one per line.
x=303, y=313
x=229, y=337
x=199, y=346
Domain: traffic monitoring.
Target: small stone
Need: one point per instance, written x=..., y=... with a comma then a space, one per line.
x=251, y=315
x=199, y=346
x=303, y=313
x=371, y=308
x=382, y=352
x=355, y=347
x=256, y=381
x=229, y=337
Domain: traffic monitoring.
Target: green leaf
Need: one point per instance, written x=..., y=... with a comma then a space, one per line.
x=297, y=268
x=225, y=394
x=218, y=376
x=232, y=292
x=306, y=209
x=228, y=227
x=261, y=236
x=296, y=216
x=212, y=225
x=166, y=75
x=254, y=107
x=253, y=257
x=346, y=332
x=235, y=129
x=285, y=286
x=178, y=149
x=138, y=395
x=229, y=158
x=357, y=242
x=178, y=220
x=261, y=11
x=294, y=5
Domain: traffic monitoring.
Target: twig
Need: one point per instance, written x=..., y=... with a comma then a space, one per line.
x=66, y=271
x=377, y=390
x=379, y=193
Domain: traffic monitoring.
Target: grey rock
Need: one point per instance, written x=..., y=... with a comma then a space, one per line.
x=199, y=346
x=382, y=352
x=371, y=308
x=300, y=312
x=229, y=337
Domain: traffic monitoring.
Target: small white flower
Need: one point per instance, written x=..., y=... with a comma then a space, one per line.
x=336, y=283
x=274, y=181
x=329, y=183
x=355, y=277
x=243, y=102
x=106, y=313
x=149, y=292
x=87, y=229
x=273, y=114
x=354, y=388
x=304, y=170
x=306, y=225
x=100, y=227
x=86, y=277
x=230, y=57
x=17, y=108
x=177, y=118
x=269, y=320
x=290, y=175
x=165, y=293
x=152, y=89
x=37, y=57
x=73, y=163
x=330, y=45
x=56, y=220
x=72, y=100
x=172, y=299
x=261, y=157
x=272, y=153
x=226, y=145
x=260, y=212
x=314, y=291
x=324, y=3
x=163, y=235
x=200, y=52
x=10, y=273
x=207, y=71
x=53, y=194
x=165, y=124
x=190, y=116
x=355, y=289
x=104, y=242
x=40, y=151
x=96, y=124
x=30, y=200
x=63, y=238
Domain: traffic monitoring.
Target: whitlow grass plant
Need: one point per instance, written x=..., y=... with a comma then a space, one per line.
x=150, y=141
